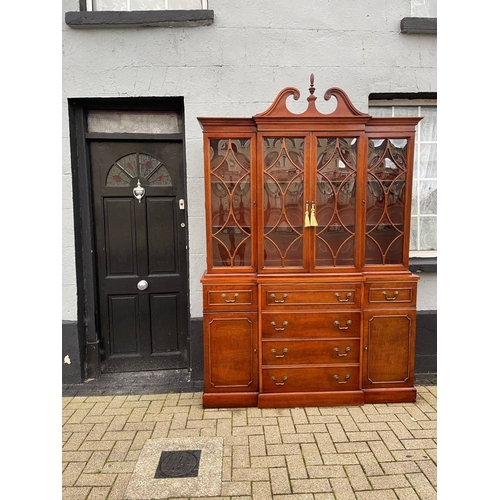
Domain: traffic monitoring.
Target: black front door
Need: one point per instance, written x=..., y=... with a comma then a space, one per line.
x=140, y=226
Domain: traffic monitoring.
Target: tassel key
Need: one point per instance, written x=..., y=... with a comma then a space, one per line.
x=313, y=222
x=307, y=222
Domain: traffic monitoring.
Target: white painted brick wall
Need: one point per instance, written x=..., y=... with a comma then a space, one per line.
x=236, y=67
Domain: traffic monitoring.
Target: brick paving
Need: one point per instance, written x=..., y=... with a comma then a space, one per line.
x=370, y=452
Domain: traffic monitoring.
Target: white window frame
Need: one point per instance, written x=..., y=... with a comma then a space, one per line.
x=417, y=103
x=90, y=8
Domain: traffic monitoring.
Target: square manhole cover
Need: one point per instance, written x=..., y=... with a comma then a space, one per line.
x=184, y=463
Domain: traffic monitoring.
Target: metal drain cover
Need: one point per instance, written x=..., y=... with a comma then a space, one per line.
x=178, y=464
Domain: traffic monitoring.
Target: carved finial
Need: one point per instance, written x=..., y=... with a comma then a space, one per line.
x=311, y=88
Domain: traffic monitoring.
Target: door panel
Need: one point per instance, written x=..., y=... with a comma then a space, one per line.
x=120, y=236
x=124, y=324
x=161, y=234
x=389, y=348
x=140, y=240
x=164, y=323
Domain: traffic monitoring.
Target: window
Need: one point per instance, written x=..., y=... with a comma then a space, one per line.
x=131, y=5
x=424, y=8
x=423, y=239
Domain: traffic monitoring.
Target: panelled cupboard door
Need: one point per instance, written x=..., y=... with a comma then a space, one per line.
x=389, y=353
x=231, y=356
x=141, y=258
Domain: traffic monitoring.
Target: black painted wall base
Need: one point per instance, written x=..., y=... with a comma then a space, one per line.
x=74, y=365
x=426, y=342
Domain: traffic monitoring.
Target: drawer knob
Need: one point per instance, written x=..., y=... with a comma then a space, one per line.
x=285, y=350
x=285, y=378
x=279, y=328
x=337, y=324
x=337, y=351
x=224, y=296
x=336, y=378
x=348, y=296
x=396, y=293
x=278, y=301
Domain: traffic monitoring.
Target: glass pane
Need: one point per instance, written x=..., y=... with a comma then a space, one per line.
x=385, y=201
x=132, y=166
x=427, y=164
x=414, y=233
x=428, y=126
x=138, y=122
x=381, y=110
x=110, y=5
x=160, y=177
x=428, y=197
x=147, y=4
x=335, y=201
x=123, y=171
x=424, y=8
x=184, y=4
x=231, y=202
x=428, y=233
x=283, y=202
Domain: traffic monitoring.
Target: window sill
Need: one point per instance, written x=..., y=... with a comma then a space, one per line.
x=138, y=19
x=419, y=25
x=423, y=265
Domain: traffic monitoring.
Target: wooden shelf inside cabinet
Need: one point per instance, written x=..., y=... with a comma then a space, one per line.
x=307, y=293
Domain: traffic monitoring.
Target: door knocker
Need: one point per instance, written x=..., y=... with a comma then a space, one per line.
x=139, y=191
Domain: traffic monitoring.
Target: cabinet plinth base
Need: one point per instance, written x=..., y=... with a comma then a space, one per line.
x=299, y=399
x=230, y=400
x=395, y=395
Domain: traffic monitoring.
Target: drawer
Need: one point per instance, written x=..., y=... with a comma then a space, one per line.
x=293, y=352
x=310, y=379
x=391, y=293
x=227, y=297
x=302, y=325
x=319, y=296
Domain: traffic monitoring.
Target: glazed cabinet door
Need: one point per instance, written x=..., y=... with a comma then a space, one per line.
x=388, y=199
x=308, y=202
x=389, y=348
x=230, y=203
x=334, y=206
x=282, y=202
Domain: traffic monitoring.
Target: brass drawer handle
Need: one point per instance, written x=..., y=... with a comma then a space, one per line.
x=337, y=324
x=224, y=296
x=273, y=296
x=396, y=293
x=347, y=377
x=348, y=296
x=273, y=378
x=285, y=350
x=337, y=350
x=278, y=328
